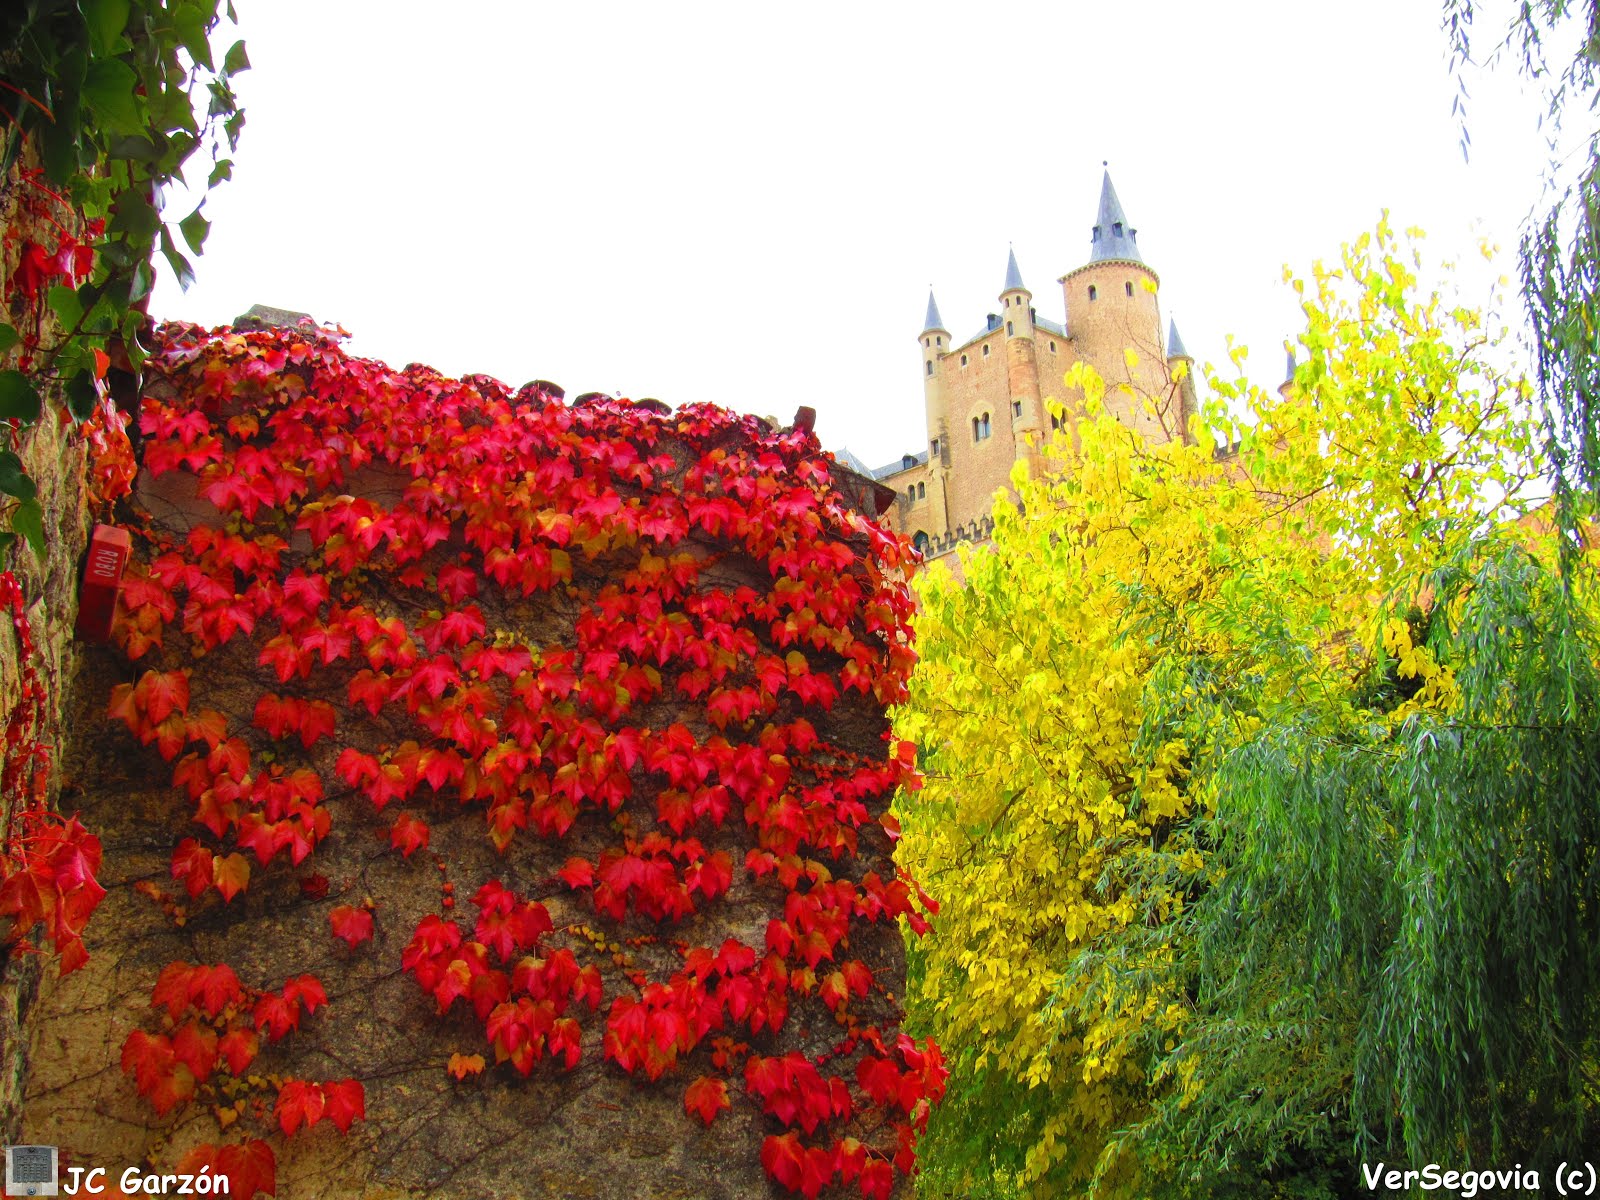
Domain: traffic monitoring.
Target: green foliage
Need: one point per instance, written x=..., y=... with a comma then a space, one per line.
x=1560, y=251
x=116, y=97
x=1260, y=787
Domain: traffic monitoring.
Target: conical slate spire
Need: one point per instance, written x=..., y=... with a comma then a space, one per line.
x=934, y=321
x=1175, y=343
x=1289, y=371
x=1113, y=237
x=1013, y=276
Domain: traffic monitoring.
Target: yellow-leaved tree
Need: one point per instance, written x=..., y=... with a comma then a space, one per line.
x=1196, y=727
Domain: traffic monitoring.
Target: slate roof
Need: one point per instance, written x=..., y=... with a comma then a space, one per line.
x=1113, y=238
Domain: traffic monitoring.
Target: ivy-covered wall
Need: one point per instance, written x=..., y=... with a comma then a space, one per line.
x=494, y=799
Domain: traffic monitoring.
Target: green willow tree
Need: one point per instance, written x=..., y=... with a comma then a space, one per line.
x=1557, y=44
x=1261, y=779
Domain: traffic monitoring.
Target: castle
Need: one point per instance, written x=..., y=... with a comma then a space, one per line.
x=985, y=398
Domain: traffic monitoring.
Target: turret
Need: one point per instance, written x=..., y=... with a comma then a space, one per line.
x=1288, y=377
x=1111, y=307
x=1184, y=401
x=1022, y=368
x=935, y=340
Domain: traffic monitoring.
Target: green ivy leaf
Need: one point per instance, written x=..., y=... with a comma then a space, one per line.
x=9, y=337
x=194, y=228
x=106, y=19
x=109, y=86
x=58, y=140
x=180, y=265
x=28, y=520
x=14, y=480
x=235, y=60
x=191, y=26
x=223, y=170
x=64, y=303
x=18, y=399
x=81, y=395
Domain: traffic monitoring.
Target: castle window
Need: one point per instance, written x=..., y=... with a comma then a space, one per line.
x=935, y=444
x=963, y=360
x=919, y=540
x=986, y=349
x=939, y=341
x=1093, y=295
x=1116, y=229
x=1128, y=287
x=1008, y=328
x=1033, y=314
x=1006, y=301
x=1052, y=347
x=930, y=367
x=980, y=427
x=1055, y=421
x=1095, y=237
x=1016, y=408
x=922, y=491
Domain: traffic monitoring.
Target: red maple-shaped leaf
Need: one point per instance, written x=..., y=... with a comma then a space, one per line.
x=159, y=694
x=706, y=1097
x=231, y=874
x=462, y=1065
x=251, y=1168
x=191, y=862
x=578, y=873
x=783, y=1159
x=238, y=1049
x=346, y=1103
x=299, y=1104
x=352, y=924
x=408, y=834
x=174, y=988
x=305, y=990
x=316, y=721
x=877, y=1180
x=195, y=1047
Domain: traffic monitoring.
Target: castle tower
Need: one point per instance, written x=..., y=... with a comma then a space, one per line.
x=1184, y=401
x=1111, y=307
x=1022, y=366
x=935, y=339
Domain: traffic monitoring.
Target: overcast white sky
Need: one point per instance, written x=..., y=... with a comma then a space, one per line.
x=746, y=203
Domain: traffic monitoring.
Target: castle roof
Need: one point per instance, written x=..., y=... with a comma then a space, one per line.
x=1113, y=238
x=1175, y=343
x=1013, y=276
x=934, y=321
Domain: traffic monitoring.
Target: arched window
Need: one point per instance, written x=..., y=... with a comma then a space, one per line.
x=939, y=341
x=1055, y=421
x=922, y=491
x=1116, y=229
x=919, y=541
x=1016, y=408
x=1092, y=293
x=976, y=436
x=1128, y=287
x=929, y=365
x=1008, y=328
x=963, y=360
x=986, y=349
x=980, y=427
x=1052, y=347
x=935, y=445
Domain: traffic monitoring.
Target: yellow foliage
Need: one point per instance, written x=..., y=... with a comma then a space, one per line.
x=1048, y=783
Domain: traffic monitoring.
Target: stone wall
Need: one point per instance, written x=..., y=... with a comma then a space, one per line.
x=54, y=455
